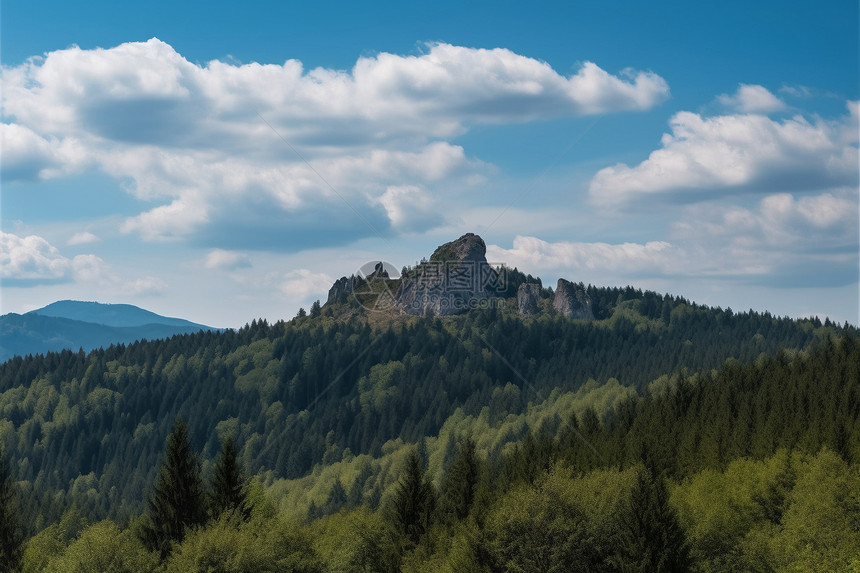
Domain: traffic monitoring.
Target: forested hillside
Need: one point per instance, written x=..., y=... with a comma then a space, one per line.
x=651, y=401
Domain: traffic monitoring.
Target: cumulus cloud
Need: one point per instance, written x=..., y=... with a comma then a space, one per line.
x=205, y=141
x=752, y=99
x=410, y=208
x=32, y=260
x=780, y=222
x=784, y=240
x=750, y=153
x=231, y=260
x=533, y=253
x=303, y=283
x=82, y=238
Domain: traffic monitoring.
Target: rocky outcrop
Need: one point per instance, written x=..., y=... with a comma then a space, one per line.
x=572, y=301
x=527, y=299
x=341, y=289
x=457, y=278
x=344, y=287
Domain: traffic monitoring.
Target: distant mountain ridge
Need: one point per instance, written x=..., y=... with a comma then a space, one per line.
x=73, y=325
x=109, y=314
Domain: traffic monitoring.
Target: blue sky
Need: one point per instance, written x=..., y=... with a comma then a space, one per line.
x=223, y=163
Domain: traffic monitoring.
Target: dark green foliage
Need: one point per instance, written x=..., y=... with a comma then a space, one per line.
x=413, y=503
x=649, y=535
x=101, y=416
x=228, y=489
x=178, y=503
x=457, y=490
x=10, y=532
x=316, y=309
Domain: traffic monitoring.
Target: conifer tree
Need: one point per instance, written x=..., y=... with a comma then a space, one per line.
x=651, y=538
x=457, y=491
x=228, y=491
x=178, y=502
x=11, y=547
x=413, y=501
x=336, y=498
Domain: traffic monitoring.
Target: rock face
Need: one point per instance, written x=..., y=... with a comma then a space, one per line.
x=346, y=286
x=341, y=289
x=456, y=279
x=572, y=301
x=527, y=299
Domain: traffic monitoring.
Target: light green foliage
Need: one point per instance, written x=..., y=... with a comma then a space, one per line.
x=357, y=541
x=51, y=542
x=259, y=546
x=719, y=509
x=790, y=512
x=821, y=527
x=540, y=529
x=493, y=435
x=380, y=385
x=103, y=547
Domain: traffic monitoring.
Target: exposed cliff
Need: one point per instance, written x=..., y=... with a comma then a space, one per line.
x=527, y=299
x=572, y=300
x=457, y=278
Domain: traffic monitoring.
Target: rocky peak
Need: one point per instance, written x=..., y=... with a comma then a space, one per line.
x=527, y=299
x=456, y=279
x=470, y=247
x=572, y=301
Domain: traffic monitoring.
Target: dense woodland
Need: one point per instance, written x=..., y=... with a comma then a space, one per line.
x=661, y=436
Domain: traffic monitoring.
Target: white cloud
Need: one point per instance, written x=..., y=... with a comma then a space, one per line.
x=221, y=259
x=740, y=153
x=752, y=99
x=82, y=238
x=779, y=226
x=191, y=137
x=31, y=258
x=782, y=241
x=535, y=254
x=410, y=208
x=303, y=283
x=145, y=286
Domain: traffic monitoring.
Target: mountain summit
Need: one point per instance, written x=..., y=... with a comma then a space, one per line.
x=109, y=314
x=71, y=324
x=456, y=279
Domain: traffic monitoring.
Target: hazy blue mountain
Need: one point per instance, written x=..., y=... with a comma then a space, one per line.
x=88, y=325
x=109, y=314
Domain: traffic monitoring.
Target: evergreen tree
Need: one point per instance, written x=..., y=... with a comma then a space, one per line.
x=228, y=491
x=178, y=501
x=650, y=537
x=11, y=546
x=413, y=501
x=316, y=309
x=457, y=491
x=336, y=499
